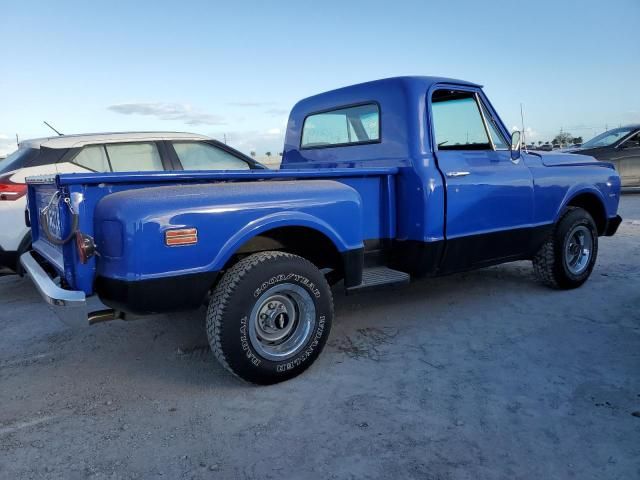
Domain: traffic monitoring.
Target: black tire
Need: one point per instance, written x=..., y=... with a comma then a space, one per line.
x=25, y=246
x=551, y=263
x=245, y=290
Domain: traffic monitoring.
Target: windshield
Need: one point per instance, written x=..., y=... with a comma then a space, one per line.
x=608, y=138
x=17, y=159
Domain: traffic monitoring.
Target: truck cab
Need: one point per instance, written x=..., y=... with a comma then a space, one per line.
x=380, y=182
x=466, y=196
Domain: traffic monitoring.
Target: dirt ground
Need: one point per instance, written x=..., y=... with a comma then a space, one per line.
x=473, y=376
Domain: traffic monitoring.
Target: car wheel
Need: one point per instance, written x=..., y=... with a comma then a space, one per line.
x=269, y=317
x=568, y=255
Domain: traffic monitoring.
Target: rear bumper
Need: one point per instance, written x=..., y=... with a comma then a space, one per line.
x=52, y=293
x=612, y=226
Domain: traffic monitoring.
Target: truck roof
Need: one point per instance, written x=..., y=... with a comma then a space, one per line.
x=422, y=82
x=80, y=140
x=398, y=99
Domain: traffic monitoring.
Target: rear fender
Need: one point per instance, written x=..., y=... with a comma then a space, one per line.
x=226, y=216
x=277, y=220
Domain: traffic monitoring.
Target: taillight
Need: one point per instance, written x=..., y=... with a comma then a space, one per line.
x=11, y=190
x=85, y=246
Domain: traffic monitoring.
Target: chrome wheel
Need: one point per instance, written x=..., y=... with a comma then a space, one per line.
x=282, y=321
x=578, y=249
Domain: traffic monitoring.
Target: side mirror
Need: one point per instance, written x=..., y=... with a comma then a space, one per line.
x=516, y=145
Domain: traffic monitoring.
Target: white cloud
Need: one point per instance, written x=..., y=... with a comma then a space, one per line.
x=169, y=111
x=7, y=145
x=531, y=134
x=249, y=104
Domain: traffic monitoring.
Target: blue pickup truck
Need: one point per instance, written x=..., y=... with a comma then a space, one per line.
x=380, y=182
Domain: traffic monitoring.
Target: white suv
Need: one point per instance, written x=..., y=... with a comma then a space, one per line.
x=103, y=152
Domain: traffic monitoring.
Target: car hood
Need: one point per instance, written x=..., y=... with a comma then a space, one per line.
x=557, y=159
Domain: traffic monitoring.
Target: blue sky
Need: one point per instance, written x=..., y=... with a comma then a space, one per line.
x=236, y=68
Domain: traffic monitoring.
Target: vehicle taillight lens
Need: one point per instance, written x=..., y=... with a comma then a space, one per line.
x=85, y=246
x=11, y=190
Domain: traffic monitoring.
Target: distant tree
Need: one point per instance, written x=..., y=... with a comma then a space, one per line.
x=539, y=142
x=563, y=138
x=252, y=153
x=268, y=154
x=577, y=140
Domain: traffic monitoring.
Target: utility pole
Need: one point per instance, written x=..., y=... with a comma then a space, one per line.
x=17, y=141
x=224, y=135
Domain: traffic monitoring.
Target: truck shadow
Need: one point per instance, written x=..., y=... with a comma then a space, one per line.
x=173, y=349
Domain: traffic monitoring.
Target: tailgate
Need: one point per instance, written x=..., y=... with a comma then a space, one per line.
x=50, y=220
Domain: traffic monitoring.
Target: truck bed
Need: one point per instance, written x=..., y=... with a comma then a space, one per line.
x=162, y=200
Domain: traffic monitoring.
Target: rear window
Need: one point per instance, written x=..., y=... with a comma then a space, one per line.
x=31, y=157
x=18, y=159
x=343, y=126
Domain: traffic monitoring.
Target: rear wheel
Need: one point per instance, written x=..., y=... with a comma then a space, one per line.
x=567, y=257
x=269, y=317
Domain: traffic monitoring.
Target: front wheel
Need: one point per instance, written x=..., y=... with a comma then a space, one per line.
x=269, y=317
x=567, y=257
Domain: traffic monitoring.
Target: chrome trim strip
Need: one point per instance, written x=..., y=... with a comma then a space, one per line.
x=484, y=120
x=52, y=293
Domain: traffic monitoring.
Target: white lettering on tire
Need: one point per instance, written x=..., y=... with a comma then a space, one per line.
x=287, y=277
x=244, y=342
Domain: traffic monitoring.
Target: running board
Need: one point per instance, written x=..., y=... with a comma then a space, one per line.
x=376, y=277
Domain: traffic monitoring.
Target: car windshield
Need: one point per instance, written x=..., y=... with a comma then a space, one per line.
x=608, y=138
x=17, y=159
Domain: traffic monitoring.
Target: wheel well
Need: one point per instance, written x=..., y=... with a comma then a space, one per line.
x=593, y=205
x=303, y=241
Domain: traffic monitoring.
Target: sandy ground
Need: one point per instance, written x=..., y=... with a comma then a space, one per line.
x=479, y=375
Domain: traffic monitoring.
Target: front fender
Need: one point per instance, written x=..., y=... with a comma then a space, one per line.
x=573, y=192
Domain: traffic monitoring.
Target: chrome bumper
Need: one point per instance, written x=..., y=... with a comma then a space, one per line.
x=52, y=293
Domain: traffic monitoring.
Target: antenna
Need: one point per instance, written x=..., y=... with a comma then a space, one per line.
x=17, y=141
x=524, y=140
x=52, y=128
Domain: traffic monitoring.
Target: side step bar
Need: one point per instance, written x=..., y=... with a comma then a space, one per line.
x=377, y=277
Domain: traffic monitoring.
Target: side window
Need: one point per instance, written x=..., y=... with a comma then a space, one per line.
x=134, y=157
x=457, y=122
x=343, y=126
x=94, y=158
x=203, y=156
x=633, y=142
x=498, y=140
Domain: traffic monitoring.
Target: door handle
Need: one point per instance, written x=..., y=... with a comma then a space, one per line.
x=457, y=174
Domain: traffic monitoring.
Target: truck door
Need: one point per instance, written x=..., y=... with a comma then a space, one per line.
x=489, y=197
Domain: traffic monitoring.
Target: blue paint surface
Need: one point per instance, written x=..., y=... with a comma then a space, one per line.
x=396, y=188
